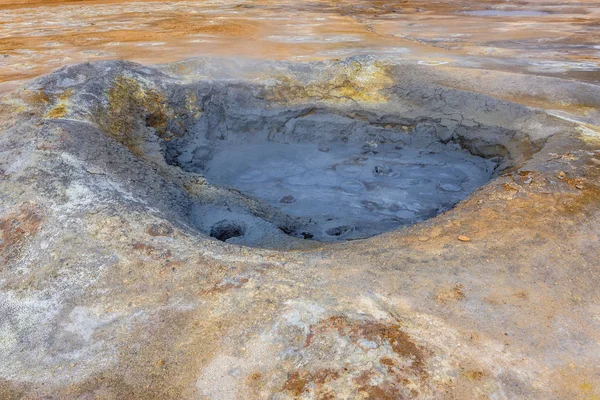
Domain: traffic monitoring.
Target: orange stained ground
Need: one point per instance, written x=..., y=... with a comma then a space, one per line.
x=538, y=37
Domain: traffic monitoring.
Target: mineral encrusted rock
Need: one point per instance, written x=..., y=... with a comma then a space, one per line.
x=111, y=287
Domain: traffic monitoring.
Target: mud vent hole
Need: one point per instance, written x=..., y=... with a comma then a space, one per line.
x=224, y=230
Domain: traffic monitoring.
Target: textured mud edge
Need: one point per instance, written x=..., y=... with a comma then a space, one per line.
x=107, y=292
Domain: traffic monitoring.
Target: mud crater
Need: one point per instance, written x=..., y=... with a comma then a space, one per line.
x=323, y=151
x=331, y=175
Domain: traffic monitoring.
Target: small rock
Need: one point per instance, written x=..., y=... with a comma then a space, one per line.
x=580, y=187
x=464, y=238
x=324, y=149
x=287, y=199
x=528, y=180
x=561, y=175
x=423, y=238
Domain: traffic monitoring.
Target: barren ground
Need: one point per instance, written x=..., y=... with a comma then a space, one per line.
x=541, y=37
x=111, y=286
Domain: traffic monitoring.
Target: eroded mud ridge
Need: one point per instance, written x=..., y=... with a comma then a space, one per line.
x=283, y=151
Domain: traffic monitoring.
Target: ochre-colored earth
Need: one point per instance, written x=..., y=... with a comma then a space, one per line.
x=540, y=37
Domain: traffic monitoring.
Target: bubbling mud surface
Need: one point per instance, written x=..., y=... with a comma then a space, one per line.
x=348, y=191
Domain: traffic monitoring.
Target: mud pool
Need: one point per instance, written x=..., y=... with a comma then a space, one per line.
x=349, y=191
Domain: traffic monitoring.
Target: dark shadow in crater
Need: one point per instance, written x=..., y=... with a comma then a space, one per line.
x=225, y=229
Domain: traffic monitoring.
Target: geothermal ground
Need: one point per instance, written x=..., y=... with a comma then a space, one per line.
x=299, y=200
x=540, y=37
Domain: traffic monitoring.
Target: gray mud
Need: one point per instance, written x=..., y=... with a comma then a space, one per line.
x=348, y=191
